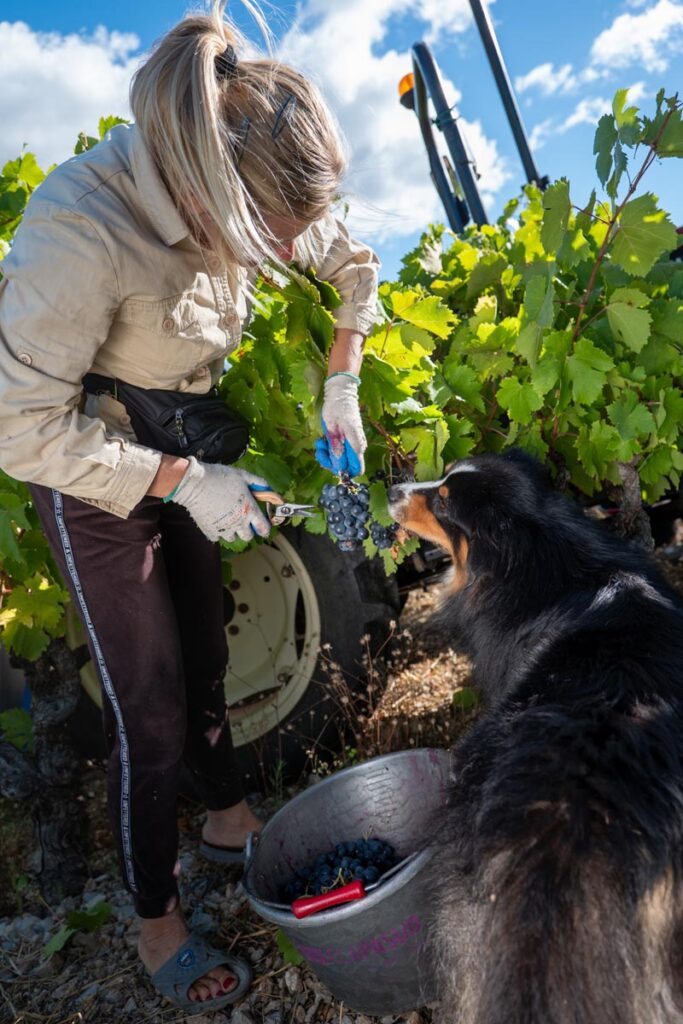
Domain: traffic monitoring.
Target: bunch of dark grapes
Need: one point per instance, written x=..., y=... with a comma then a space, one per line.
x=383, y=536
x=347, y=508
x=364, y=859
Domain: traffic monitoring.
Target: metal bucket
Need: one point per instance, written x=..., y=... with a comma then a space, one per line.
x=369, y=953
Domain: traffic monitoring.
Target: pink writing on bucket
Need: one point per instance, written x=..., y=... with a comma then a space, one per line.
x=384, y=945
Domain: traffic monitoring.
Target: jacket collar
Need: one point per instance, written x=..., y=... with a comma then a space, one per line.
x=153, y=193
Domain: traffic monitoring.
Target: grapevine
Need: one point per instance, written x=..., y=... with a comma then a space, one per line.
x=557, y=329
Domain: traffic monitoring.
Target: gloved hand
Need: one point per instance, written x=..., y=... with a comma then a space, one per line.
x=342, y=447
x=220, y=502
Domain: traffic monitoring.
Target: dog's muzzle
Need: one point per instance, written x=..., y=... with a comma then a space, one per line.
x=397, y=498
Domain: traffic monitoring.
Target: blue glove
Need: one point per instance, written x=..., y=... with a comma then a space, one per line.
x=347, y=462
x=343, y=443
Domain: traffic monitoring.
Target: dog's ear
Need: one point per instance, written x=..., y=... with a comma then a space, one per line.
x=531, y=465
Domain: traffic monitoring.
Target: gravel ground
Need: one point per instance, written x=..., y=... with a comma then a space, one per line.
x=97, y=977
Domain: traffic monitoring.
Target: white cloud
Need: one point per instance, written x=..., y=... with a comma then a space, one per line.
x=649, y=38
x=547, y=79
x=335, y=42
x=54, y=86
x=540, y=132
x=587, y=111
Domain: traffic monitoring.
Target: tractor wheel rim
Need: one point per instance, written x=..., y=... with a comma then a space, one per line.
x=273, y=636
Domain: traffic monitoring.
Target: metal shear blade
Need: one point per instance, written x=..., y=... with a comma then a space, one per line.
x=283, y=512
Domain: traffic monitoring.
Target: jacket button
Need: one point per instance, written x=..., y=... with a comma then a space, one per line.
x=124, y=420
x=168, y=323
x=233, y=317
x=25, y=358
x=214, y=264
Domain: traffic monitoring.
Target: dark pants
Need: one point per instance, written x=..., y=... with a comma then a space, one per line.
x=148, y=590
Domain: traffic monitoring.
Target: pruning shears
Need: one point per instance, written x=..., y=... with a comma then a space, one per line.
x=277, y=510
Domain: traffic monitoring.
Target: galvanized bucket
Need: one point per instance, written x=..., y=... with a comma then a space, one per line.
x=369, y=953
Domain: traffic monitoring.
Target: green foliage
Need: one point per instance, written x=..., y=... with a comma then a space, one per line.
x=290, y=954
x=78, y=921
x=16, y=726
x=558, y=331
x=465, y=698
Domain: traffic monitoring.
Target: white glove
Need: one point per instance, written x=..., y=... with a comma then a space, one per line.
x=220, y=502
x=342, y=422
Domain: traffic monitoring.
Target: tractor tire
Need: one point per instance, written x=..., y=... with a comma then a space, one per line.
x=285, y=602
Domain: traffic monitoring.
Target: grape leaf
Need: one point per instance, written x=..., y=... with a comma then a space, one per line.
x=16, y=726
x=630, y=416
x=24, y=641
x=428, y=444
x=463, y=381
x=633, y=296
x=460, y=440
x=667, y=319
x=630, y=325
x=520, y=399
x=378, y=504
x=669, y=416
x=556, y=208
x=290, y=954
x=58, y=940
x=597, y=446
x=605, y=137
x=620, y=165
x=670, y=142
x=485, y=273
x=587, y=368
x=644, y=233
x=430, y=313
x=655, y=468
x=584, y=219
x=628, y=125
x=575, y=248
x=546, y=374
x=105, y=124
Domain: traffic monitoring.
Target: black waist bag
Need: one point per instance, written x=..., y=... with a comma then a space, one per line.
x=177, y=423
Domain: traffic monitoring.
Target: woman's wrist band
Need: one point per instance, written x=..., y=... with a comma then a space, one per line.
x=170, y=496
x=345, y=373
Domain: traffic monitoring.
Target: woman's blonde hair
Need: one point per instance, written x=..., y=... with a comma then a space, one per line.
x=235, y=139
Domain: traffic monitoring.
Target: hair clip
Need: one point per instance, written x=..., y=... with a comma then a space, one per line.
x=283, y=115
x=241, y=139
x=226, y=63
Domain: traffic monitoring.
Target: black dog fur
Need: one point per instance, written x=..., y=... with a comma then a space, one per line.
x=557, y=877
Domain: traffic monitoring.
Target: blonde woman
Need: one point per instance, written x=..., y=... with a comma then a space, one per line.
x=133, y=267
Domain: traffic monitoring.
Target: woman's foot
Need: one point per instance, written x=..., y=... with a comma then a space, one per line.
x=230, y=827
x=161, y=937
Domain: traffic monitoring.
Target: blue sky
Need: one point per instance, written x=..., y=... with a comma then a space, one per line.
x=69, y=62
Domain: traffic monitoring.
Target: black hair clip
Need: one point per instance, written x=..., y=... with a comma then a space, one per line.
x=284, y=115
x=226, y=63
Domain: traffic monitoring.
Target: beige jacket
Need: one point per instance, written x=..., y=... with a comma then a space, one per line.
x=104, y=276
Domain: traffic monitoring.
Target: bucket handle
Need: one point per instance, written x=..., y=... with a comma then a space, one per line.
x=252, y=841
x=306, y=905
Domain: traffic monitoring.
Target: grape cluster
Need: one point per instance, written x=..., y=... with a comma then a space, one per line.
x=364, y=859
x=383, y=536
x=347, y=508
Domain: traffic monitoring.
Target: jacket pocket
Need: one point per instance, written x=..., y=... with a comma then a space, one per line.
x=176, y=316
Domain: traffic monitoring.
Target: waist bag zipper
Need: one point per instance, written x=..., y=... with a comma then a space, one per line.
x=180, y=429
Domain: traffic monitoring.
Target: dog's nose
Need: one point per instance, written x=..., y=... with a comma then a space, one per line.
x=395, y=493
